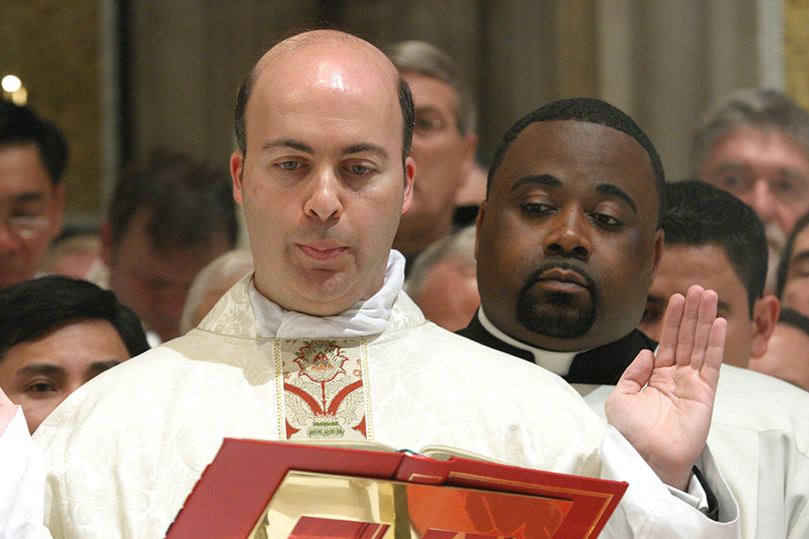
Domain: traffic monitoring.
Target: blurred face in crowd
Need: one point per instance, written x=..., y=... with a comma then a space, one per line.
x=31, y=211
x=709, y=267
x=787, y=356
x=449, y=295
x=568, y=239
x=796, y=286
x=38, y=375
x=443, y=157
x=322, y=182
x=770, y=173
x=151, y=282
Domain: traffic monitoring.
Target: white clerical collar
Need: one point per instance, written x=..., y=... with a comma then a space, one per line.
x=556, y=362
x=366, y=317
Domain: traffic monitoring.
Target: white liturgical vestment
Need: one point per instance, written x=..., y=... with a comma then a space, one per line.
x=124, y=451
x=760, y=438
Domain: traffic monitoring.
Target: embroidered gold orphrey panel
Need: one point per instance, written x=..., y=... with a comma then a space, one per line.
x=325, y=392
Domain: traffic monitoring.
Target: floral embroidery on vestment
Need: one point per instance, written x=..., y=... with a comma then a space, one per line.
x=324, y=394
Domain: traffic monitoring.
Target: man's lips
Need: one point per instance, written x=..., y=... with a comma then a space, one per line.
x=322, y=252
x=559, y=274
x=562, y=279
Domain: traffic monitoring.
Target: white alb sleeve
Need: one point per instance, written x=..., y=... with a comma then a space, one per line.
x=22, y=483
x=650, y=510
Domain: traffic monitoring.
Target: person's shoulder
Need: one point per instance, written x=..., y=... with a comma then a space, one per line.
x=737, y=382
x=473, y=353
x=760, y=402
x=127, y=380
x=127, y=390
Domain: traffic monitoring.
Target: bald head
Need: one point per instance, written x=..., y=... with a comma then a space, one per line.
x=322, y=175
x=313, y=43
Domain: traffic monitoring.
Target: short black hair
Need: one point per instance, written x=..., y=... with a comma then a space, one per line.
x=21, y=125
x=187, y=202
x=696, y=213
x=786, y=255
x=581, y=109
x=793, y=318
x=35, y=308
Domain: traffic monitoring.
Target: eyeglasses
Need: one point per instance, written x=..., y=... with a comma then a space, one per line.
x=788, y=187
x=27, y=227
x=429, y=125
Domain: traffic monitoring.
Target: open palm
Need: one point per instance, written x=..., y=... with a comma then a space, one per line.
x=663, y=403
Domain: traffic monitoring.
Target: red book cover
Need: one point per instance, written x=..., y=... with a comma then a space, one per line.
x=235, y=490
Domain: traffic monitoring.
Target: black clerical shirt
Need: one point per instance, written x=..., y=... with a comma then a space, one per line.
x=603, y=365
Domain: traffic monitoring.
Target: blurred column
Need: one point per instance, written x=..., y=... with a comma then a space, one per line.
x=796, y=50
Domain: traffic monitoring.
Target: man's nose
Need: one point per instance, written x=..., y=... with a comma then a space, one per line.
x=9, y=240
x=171, y=300
x=762, y=200
x=324, y=198
x=568, y=235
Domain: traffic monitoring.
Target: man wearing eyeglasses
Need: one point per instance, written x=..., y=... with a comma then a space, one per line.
x=444, y=143
x=755, y=145
x=33, y=156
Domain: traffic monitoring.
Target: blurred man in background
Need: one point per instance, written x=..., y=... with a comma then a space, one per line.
x=444, y=143
x=33, y=157
x=714, y=240
x=166, y=222
x=443, y=282
x=755, y=144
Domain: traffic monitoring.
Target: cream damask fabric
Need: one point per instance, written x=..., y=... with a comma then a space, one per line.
x=124, y=451
x=760, y=438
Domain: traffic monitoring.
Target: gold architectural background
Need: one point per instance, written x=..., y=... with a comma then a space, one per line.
x=52, y=46
x=663, y=62
x=796, y=49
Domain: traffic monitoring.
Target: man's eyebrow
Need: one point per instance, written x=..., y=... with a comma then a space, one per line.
x=800, y=257
x=288, y=143
x=366, y=147
x=542, y=180
x=732, y=164
x=610, y=190
x=97, y=367
x=305, y=148
x=30, y=196
x=41, y=368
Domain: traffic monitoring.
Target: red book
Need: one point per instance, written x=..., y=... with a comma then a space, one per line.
x=256, y=489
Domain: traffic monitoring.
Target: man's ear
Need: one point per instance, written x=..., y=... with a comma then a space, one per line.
x=56, y=211
x=470, y=148
x=478, y=224
x=765, y=316
x=236, y=170
x=105, y=233
x=410, y=177
x=659, y=245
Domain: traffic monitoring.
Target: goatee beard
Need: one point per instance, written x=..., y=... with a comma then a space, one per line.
x=555, y=313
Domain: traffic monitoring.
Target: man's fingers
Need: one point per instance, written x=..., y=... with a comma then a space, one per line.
x=637, y=374
x=715, y=351
x=688, y=326
x=671, y=329
x=704, y=325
